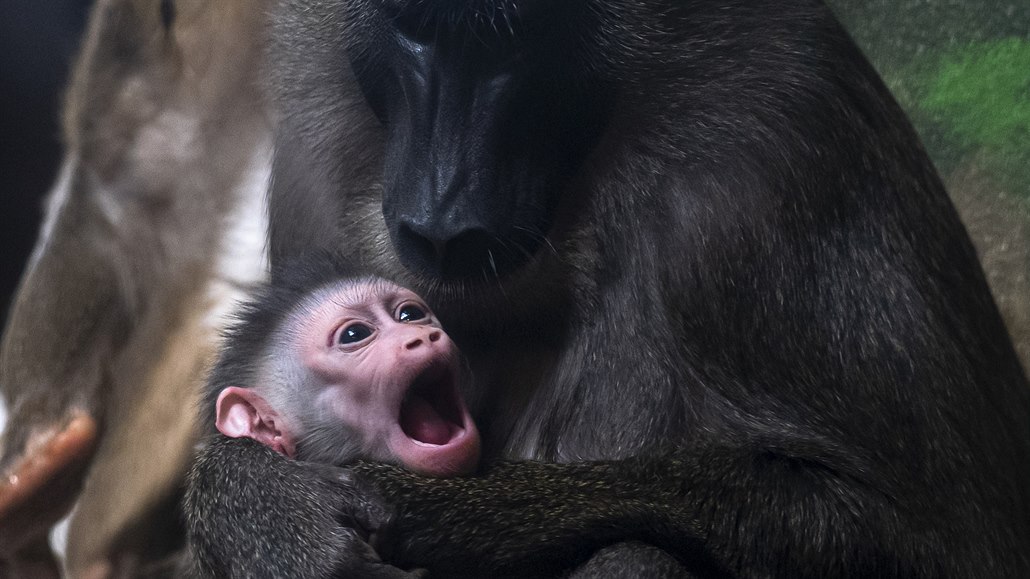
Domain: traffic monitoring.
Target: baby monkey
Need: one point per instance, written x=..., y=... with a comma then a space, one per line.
x=332, y=370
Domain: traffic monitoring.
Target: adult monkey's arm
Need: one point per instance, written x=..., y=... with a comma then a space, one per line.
x=698, y=505
x=521, y=519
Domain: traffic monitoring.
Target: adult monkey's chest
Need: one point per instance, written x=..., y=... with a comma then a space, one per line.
x=581, y=398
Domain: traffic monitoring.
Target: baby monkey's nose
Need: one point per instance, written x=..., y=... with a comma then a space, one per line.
x=433, y=335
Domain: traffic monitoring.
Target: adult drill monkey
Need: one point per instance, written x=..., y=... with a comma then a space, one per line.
x=156, y=225
x=703, y=226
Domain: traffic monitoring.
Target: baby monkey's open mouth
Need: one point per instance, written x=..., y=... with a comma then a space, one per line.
x=432, y=411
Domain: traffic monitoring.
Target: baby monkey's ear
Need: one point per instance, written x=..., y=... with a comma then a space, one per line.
x=242, y=412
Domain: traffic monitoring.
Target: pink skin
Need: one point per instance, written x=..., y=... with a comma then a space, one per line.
x=396, y=386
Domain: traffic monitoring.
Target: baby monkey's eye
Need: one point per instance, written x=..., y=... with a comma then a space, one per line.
x=353, y=334
x=410, y=313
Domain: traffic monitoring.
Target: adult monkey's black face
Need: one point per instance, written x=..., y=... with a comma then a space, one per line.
x=488, y=110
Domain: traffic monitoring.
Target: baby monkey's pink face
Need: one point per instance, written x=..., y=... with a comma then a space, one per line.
x=389, y=370
x=376, y=360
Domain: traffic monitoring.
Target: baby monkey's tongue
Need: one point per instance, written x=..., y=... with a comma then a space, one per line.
x=421, y=421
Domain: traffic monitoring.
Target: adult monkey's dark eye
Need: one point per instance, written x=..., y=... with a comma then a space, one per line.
x=410, y=313
x=167, y=13
x=353, y=334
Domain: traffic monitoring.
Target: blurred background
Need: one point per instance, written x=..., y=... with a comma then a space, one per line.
x=38, y=40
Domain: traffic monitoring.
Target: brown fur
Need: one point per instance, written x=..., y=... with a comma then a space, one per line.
x=115, y=316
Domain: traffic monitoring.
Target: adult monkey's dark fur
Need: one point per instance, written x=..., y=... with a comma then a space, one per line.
x=699, y=225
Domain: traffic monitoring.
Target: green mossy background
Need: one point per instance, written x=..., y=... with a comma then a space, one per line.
x=961, y=70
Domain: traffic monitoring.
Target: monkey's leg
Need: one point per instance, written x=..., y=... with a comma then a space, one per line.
x=66, y=322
